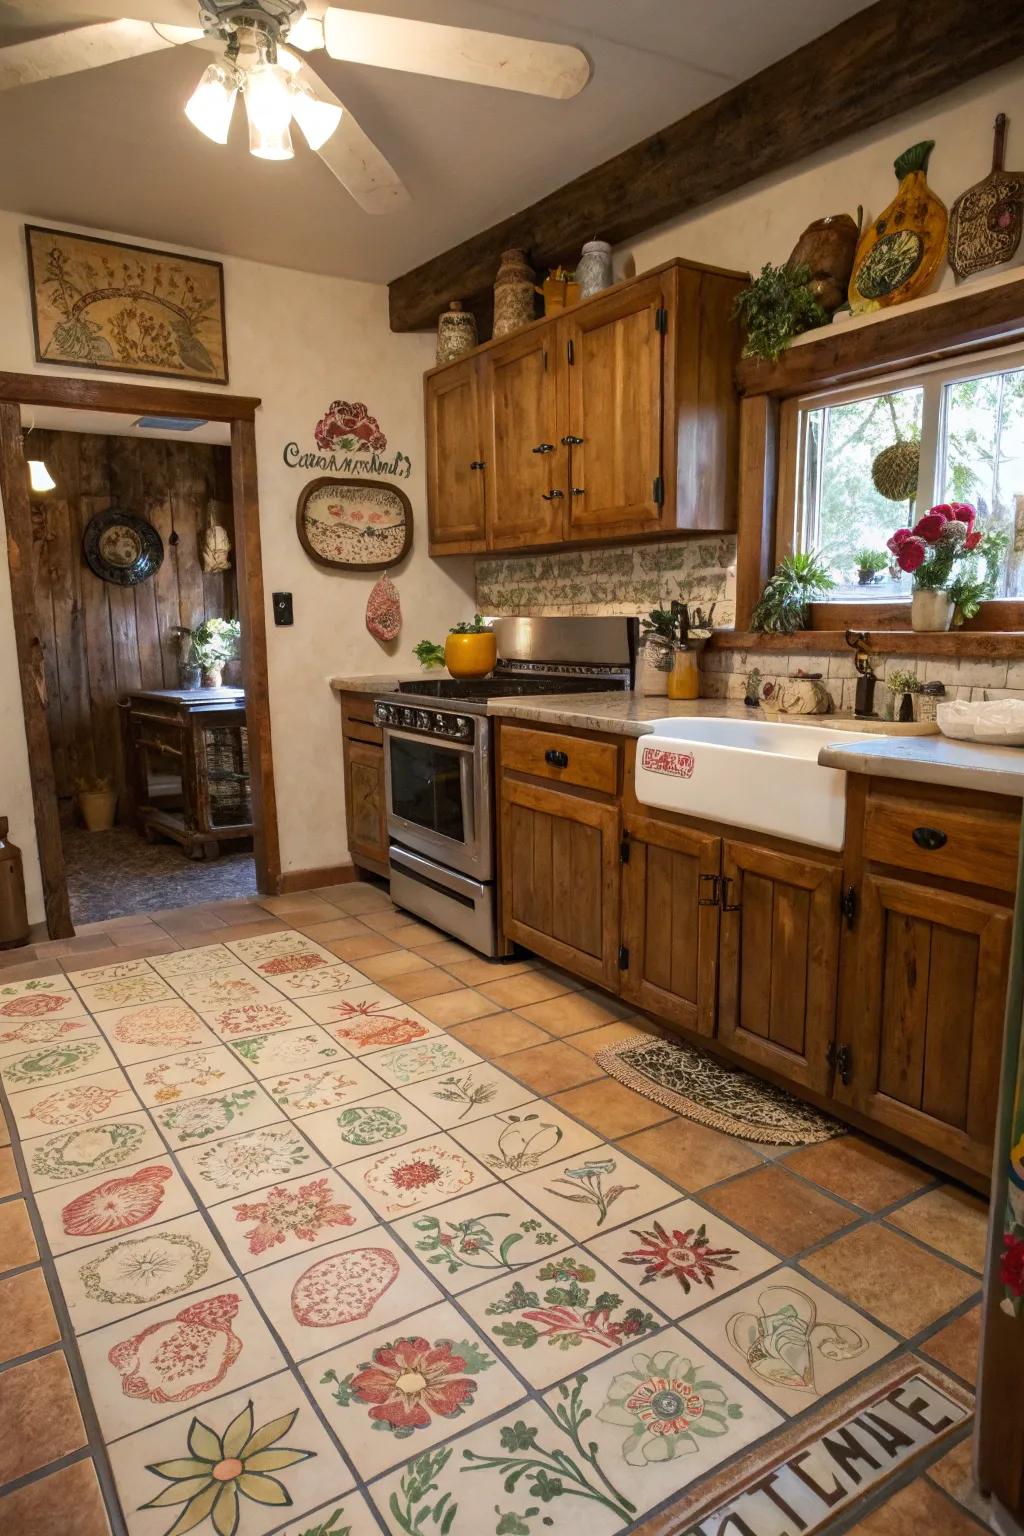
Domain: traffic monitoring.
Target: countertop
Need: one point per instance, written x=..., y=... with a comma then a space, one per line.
x=933, y=760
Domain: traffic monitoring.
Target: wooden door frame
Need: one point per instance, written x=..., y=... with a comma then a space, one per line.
x=129, y=398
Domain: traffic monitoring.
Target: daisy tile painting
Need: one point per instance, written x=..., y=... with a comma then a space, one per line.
x=328, y=1271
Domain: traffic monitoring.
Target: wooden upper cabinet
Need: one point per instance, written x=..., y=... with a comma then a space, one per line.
x=526, y=469
x=455, y=461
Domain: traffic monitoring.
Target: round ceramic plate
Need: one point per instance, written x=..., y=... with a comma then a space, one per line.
x=122, y=548
x=355, y=525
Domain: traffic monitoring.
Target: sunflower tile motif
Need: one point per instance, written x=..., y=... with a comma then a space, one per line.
x=240, y=1463
x=99, y=1209
x=192, y=1121
x=402, y=1391
x=150, y=1030
x=49, y=997
x=340, y=1291
x=353, y=1130
x=57, y=1107
x=457, y=1098
x=292, y=1217
x=521, y=1139
x=57, y=1160
x=148, y=1366
x=122, y=991
x=15, y=1039
x=488, y=1233
x=291, y=1050
x=187, y=1075
x=91, y=974
x=130, y=1271
x=60, y=1061
x=203, y=960
x=681, y=1257
x=790, y=1339
x=252, y=1160
x=592, y=1193
x=308, y=1089
x=281, y=954
x=317, y=980
x=428, y=1058
x=418, y=1175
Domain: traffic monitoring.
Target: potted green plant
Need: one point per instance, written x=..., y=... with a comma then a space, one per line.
x=869, y=565
x=902, y=685
x=471, y=649
x=658, y=632
x=214, y=642
x=97, y=801
x=797, y=580
x=777, y=306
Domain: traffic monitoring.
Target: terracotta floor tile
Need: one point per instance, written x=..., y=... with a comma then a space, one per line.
x=5, y=1134
x=949, y=1220
x=457, y=1007
x=17, y=1245
x=390, y=921
x=548, y=1068
x=473, y=972
x=188, y=920
x=499, y=1034
x=38, y=1397
x=417, y=985
x=10, y=1184
x=859, y=1171
x=954, y=1473
x=611, y=1108
x=914, y=1509
x=572, y=1012
x=594, y=1040
x=27, y=1318
x=517, y=991
x=249, y=930
x=956, y=1345
x=144, y=933
x=693, y=1155
x=68, y=1500
x=359, y=947
x=80, y=943
x=890, y=1278
x=778, y=1209
x=439, y=951
x=336, y=927
x=399, y=962
x=22, y=970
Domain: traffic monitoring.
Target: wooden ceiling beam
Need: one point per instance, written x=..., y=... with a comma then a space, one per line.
x=882, y=61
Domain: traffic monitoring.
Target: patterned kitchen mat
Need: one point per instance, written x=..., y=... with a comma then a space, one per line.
x=694, y=1084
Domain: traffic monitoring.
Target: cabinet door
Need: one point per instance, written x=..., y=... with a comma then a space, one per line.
x=613, y=353
x=923, y=1015
x=365, y=806
x=779, y=953
x=455, y=460
x=527, y=466
x=670, y=922
x=560, y=878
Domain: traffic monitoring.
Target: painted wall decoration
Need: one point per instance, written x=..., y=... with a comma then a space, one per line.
x=384, y=611
x=122, y=548
x=125, y=308
x=348, y=440
x=354, y=525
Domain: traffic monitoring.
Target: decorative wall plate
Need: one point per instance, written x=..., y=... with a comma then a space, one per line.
x=354, y=525
x=122, y=548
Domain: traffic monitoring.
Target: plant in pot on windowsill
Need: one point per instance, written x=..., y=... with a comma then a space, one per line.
x=869, y=565
x=214, y=643
x=798, y=580
x=941, y=553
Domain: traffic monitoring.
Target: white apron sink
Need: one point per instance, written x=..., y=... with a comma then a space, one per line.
x=759, y=774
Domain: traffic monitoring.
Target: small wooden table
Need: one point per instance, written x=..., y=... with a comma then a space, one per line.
x=187, y=766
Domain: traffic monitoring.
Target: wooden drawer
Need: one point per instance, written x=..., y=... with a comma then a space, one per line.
x=564, y=759
x=952, y=842
x=357, y=706
x=357, y=719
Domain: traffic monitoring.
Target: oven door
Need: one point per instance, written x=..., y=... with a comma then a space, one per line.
x=439, y=798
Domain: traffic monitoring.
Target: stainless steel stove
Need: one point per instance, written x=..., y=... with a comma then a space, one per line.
x=439, y=771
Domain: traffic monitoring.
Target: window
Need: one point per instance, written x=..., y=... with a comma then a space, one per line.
x=961, y=426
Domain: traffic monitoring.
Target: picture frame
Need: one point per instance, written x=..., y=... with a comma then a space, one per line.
x=123, y=308
x=352, y=524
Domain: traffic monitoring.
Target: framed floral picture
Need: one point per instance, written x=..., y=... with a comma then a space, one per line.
x=125, y=308
x=354, y=525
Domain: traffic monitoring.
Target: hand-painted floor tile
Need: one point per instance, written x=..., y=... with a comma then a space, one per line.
x=367, y=999
x=233, y=986
x=238, y=1021
x=250, y=1161
x=428, y=1058
x=60, y=1061
x=369, y=1019
x=416, y=1176
x=288, y=1051
x=202, y=960
x=103, y=1207
x=58, y=1106
x=289, y=1218
x=108, y=1147
x=403, y=1390
x=277, y=954
x=318, y=981
x=597, y=1190
x=15, y=1038
x=488, y=1233
x=147, y=1031
x=47, y=997
x=349, y=1515
x=790, y=1339
x=341, y=1291
x=116, y=970
x=354, y=1130
x=519, y=1140
x=220, y=1114
x=123, y=991
x=458, y=1098
x=308, y=1089
x=187, y=1075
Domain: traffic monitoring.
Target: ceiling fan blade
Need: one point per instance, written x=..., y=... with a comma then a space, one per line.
x=354, y=158
x=181, y=13
x=69, y=53
x=456, y=53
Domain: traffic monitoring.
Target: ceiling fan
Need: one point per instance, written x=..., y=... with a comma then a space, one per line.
x=259, y=45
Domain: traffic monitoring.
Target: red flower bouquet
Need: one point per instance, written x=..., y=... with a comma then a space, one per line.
x=935, y=549
x=350, y=428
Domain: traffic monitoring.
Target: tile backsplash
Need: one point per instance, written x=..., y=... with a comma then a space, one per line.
x=630, y=579
x=724, y=675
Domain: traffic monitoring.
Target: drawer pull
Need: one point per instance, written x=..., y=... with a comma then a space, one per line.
x=552, y=495
x=571, y=441
x=478, y=464
x=929, y=837
x=556, y=758
x=544, y=448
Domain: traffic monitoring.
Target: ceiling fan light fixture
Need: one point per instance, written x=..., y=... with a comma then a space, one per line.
x=307, y=33
x=268, y=106
x=317, y=119
x=212, y=103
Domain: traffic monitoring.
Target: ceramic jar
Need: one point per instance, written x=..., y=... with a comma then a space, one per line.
x=826, y=248
x=594, y=271
x=513, y=293
x=456, y=333
x=930, y=610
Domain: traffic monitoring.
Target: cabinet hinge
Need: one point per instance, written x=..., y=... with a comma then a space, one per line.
x=570, y=352
x=661, y=321
x=848, y=906
x=624, y=851
x=623, y=959
x=840, y=1059
x=659, y=491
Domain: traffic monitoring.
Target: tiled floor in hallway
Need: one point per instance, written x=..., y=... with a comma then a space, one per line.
x=326, y=1212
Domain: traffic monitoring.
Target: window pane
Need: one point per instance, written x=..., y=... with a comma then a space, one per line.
x=983, y=458
x=844, y=513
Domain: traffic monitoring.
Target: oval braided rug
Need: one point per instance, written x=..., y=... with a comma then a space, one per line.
x=725, y=1098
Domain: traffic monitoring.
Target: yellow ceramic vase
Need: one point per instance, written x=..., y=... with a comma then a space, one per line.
x=471, y=655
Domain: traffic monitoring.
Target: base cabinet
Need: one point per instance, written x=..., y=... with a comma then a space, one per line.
x=365, y=800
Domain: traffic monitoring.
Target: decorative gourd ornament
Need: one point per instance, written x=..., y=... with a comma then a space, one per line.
x=901, y=251
x=384, y=610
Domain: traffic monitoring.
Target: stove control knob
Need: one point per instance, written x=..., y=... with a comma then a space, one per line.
x=439, y=722
x=422, y=720
x=380, y=713
x=407, y=717
x=461, y=726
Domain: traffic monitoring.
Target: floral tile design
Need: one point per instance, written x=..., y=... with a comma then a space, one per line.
x=231, y=986
x=337, y=1005
x=122, y=991
x=353, y=1130
x=288, y=1051
x=250, y=1161
x=60, y=1158
x=457, y=1098
x=240, y=1020
x=61, y=1061
x=130, y=1271
x=402, y=1391
x=429, y=1058
x=525, y=1138
x=192, y=1121
x=252, y=1456
x=278, y=954
x=203, y=960
x=95, y=1209
x=56, y=1107
x=149, y=1030
x=49, y=997
x=487, y=1233
x=790, y=1339
x=349, y=1515
x=599, y=1190
x=316, y=981
x=116, y=971
x=415, y=1176
x=307, y=1089
x=367, y=1019
x=289, y=1218
x=145, y=1367
x=15, y=1039
x=187, y=1075
x=342, y=1290
x=681, y=1257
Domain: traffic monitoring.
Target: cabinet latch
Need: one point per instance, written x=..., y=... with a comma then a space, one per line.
x=848, y=906
x=661, y=321
x=658, y=495
x=715, y=899
x=624, y=851
x=570, y=352
x=840, y=1059
x=623, y=959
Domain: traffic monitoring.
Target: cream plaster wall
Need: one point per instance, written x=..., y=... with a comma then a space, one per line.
x=298, y=342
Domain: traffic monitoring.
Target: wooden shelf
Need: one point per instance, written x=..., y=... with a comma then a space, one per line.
x=888, y=642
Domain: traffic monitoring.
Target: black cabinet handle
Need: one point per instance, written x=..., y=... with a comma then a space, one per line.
x=570, y=441
x=715, y=899
x=478, y=464
x=556, y=758
x=929, y=837
x=544, y=448
x=552, y=495
x=578, y=490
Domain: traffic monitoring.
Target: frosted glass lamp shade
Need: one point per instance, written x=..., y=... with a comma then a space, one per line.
x=212, y=103
x=317, y=119
x=268, y=105
x=307, y=33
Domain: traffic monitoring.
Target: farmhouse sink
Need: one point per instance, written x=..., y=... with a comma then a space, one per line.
x=759, y=774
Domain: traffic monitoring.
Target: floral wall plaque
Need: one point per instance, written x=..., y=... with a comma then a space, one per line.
x=354, y=525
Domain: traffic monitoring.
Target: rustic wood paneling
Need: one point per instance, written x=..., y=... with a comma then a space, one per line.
x=100, y=641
